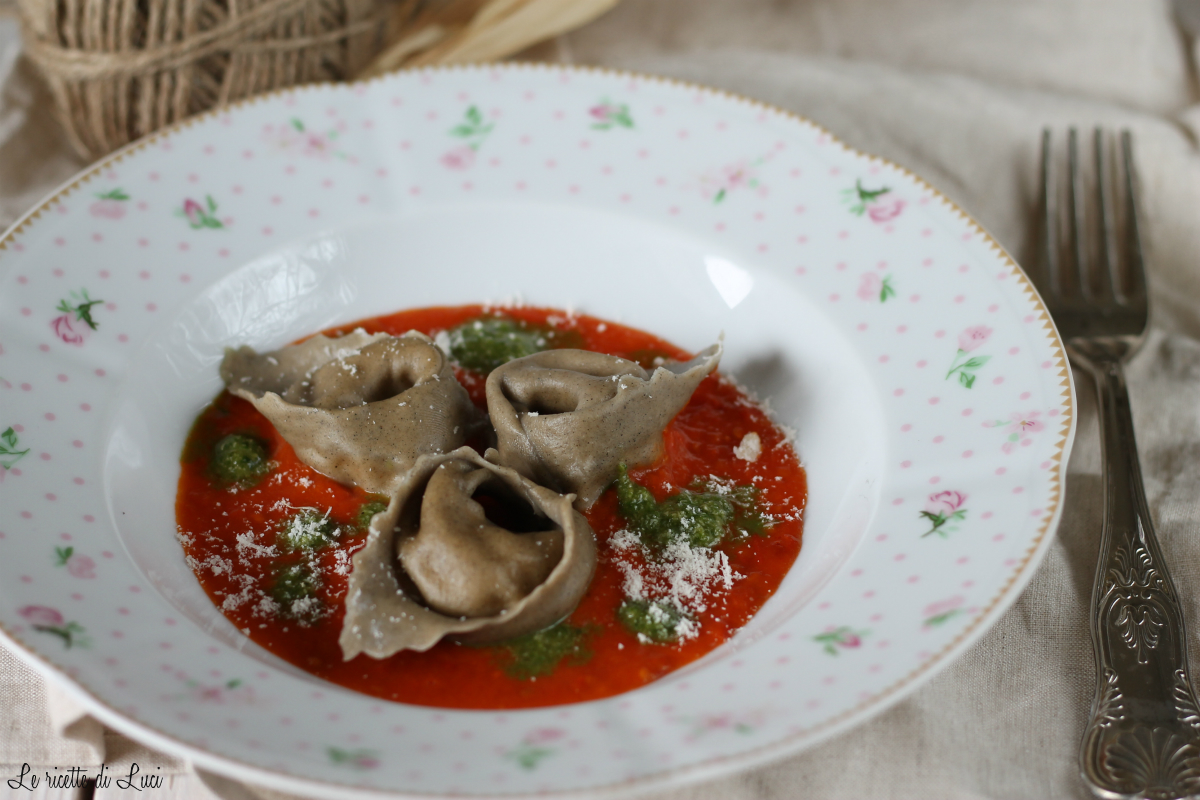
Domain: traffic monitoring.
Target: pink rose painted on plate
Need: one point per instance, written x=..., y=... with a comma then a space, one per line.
x=297, y=137
x=459, y=158
x=964, y=364
x=1020, y=426
x=607, y=115
x=972, y=338
x=884, y=210
x=231, y=692
x=201, y=215
x=65, y=330
x=78, y=566
x=545, y=736
x=360, y=758
x=533, y=748
x=717, y=185
x=732, y=177
x=844, y=638
x=193, y=211
x=9, y=452
x=941, y=509
x=873, y=203
x=45, y=619
x=110, y=205
x=41, y=615
x=474, y=131
x=873, y=287
x=76, y=310
x=740, y=722
x=943, y=611
x=317, y=145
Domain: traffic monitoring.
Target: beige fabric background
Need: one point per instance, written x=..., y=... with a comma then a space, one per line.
x=958, y=91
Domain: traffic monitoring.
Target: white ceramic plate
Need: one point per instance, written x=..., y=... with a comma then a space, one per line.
x=927, y=386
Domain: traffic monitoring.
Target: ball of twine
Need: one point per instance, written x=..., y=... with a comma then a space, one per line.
x=119, y=69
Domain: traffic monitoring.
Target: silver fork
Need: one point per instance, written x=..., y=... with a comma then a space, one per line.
x=1143, y=740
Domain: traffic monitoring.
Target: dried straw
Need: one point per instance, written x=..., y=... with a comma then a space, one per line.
x=498, y=29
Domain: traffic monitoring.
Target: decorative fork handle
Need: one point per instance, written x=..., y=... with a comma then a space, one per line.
x=1143, y=740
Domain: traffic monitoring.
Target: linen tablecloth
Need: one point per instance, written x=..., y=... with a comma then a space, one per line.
x=957, y=91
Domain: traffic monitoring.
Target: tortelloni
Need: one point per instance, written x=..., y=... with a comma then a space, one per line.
x=466, y=549
x=359, y=408
x=568, y=418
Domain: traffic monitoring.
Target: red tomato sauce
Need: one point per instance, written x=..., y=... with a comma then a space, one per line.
x=700, y=441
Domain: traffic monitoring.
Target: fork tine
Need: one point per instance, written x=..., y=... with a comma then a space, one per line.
x=1106, y=266
x=1050, y=274
x=1135, y=269
x=1078, y=214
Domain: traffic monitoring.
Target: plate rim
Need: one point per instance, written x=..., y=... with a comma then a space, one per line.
x=669, y=777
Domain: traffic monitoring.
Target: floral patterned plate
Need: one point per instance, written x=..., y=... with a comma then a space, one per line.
x=927, y=387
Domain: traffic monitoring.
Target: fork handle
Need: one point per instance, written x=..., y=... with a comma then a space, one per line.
x=1143, y=740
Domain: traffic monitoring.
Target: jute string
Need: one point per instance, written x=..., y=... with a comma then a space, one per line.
x=120, y=69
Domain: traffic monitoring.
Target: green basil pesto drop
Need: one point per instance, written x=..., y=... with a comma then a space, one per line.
x=656, y=621
x=707, y=513
x=538, y=654
x=307, y=530
x=699, y=518
x=239, y=459
x=367, y=511
x=484, y=343
x=748, y=516
x=294, y=588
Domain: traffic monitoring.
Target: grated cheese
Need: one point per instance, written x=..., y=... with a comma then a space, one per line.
x=750, y=447
x=684, y=576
